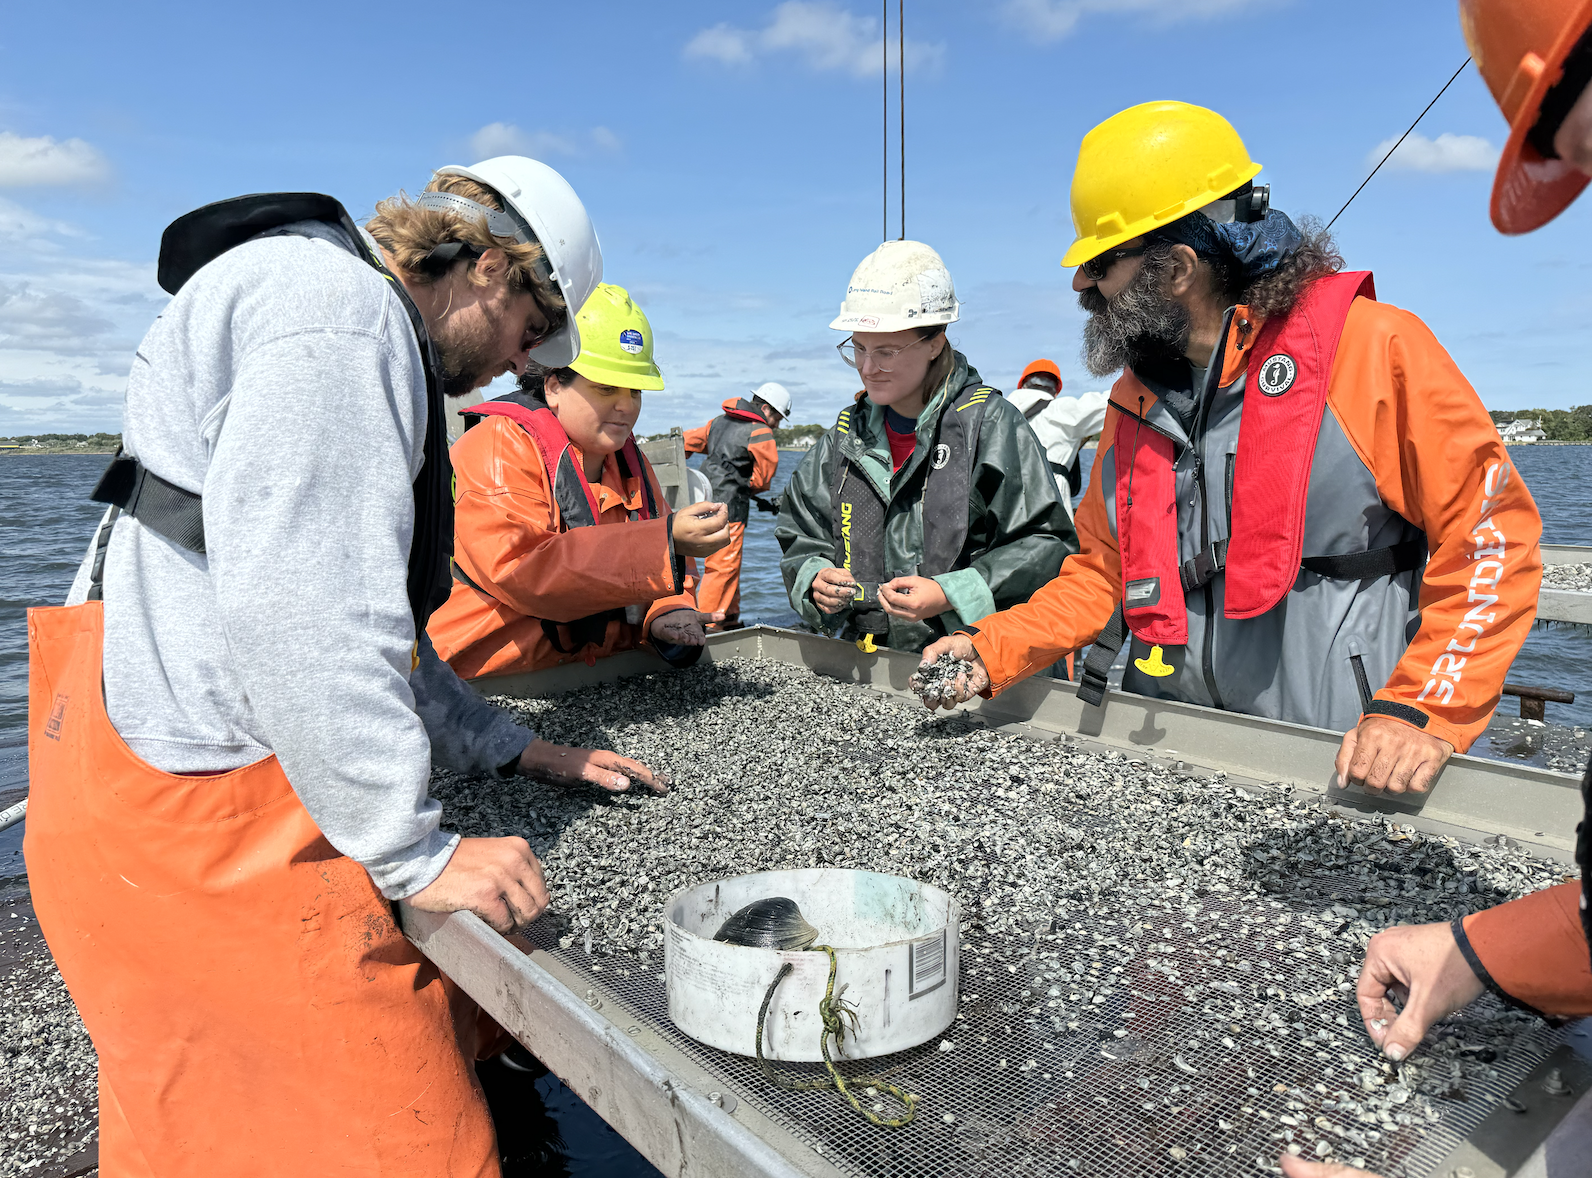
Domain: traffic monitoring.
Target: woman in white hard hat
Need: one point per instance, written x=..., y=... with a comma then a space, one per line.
x=742, y=459
x=929, y=504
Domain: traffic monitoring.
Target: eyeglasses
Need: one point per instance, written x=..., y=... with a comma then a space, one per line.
x=883, y=359
x=1096, y=268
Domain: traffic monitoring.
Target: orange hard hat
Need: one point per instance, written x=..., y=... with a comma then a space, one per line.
x=1041, y=366
x=1520, y=47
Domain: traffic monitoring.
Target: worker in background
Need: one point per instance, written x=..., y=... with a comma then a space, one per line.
x=1281, y=454
x=742, y=459
x=564, y=547
x=1531, y=952
x=215, y=840
x=929, y=504
x=1062, y=424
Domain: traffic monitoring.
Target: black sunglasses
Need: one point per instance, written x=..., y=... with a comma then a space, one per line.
x=1096, y=268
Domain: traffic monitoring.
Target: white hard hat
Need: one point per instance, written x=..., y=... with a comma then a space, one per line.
x=901, y=284
x=555, y=217
x=775, y=396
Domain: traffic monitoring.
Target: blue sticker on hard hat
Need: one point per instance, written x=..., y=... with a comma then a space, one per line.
x=630, y=340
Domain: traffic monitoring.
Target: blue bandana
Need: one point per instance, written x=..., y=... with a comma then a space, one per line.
x=1252, y=248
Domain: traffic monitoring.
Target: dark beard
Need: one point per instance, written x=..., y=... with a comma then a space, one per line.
x=1139, y=325
x=465, y=360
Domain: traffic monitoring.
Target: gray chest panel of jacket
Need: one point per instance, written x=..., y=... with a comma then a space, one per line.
x=728, y=464
x=1293, y=663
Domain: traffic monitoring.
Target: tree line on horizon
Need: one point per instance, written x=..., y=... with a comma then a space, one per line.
x=1558, y=425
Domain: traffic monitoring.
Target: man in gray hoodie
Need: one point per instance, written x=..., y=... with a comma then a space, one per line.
x=257, y=597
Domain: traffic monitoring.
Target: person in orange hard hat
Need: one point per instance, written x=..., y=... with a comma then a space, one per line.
x=1062, y=424
x=742, y=459
x=565, y=549
x=1536, y=56
x=1299, y=508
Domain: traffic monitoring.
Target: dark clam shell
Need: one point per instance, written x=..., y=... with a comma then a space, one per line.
x=774, y=923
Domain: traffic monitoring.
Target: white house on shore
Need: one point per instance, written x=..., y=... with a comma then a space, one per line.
x=1522, y=429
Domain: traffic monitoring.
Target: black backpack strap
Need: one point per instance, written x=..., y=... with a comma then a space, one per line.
x=857, y=519
x=1097, y=667
x=162, y=507
x=950, y=480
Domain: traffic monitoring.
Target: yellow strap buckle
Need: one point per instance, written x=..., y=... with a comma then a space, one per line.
x=866, y=644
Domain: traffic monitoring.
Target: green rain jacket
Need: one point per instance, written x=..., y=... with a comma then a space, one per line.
x=1018, y=530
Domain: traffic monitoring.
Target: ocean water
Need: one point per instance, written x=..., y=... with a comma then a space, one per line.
x=46, y=519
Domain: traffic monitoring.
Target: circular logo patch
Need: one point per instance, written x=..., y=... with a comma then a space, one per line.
x=1277, y=374
x=942, y=455
x=630, y=340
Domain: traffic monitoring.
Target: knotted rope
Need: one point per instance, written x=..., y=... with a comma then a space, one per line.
x=833, y=1011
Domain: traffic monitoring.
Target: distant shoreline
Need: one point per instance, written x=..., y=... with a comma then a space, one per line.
x=27, y=451
x=1544, y=442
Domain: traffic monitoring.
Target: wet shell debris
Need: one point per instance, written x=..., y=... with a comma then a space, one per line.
x=1567, y=576
x=1142, y=946
x=935, y=683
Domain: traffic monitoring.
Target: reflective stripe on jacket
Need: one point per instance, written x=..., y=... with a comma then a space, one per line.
x=1404, y=448
x=1018, y=532
x=509, y=541
x=742, y=455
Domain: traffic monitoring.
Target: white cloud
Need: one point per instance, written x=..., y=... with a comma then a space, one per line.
x=1051, y=20
x=41, y=161
x=824, y=35
x=1447, y=153
x=508, y=139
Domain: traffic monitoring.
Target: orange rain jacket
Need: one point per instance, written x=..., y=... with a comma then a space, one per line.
x=1533, y=950
x=742, y=455
x=1407, y=428
x=507, y=540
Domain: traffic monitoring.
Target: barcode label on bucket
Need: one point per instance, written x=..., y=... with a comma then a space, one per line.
x=926, y=961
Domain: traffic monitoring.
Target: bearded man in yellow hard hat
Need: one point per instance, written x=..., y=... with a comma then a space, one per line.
x=1299, y=508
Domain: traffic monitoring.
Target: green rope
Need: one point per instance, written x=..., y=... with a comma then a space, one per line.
x=833, y=1011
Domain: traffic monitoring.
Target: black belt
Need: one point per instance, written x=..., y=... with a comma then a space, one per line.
x=1348, y=566
x=162, y=507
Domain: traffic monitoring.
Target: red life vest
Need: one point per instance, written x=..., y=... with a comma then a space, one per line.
x=577, y=502
x=1285, y=395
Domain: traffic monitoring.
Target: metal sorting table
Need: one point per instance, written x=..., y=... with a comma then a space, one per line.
x=693, y=1110
x=1565, y=605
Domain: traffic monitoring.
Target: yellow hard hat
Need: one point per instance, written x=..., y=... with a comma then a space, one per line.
x=615, y=341
x=1148, y=166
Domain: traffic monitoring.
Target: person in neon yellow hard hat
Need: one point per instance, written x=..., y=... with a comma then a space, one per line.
x=545, y=479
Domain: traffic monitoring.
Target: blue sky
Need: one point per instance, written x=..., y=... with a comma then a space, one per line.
x=730, y=157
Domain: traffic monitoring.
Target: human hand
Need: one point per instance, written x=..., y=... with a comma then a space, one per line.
x=701, y=529
x=916, y=598
x=1422, y=965
x=972, y=682
x=1385, y=754
x=683, y=627
x=833, y=590
x=497, y=879
x=599, y=767
x=1297, y=1167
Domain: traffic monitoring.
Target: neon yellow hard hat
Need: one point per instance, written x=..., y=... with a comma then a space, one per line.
x=615, y=341
x=1148, y=166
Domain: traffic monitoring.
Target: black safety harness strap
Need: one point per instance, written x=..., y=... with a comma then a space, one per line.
x=1349, y=566
x=1097, y=667
x=162, y=507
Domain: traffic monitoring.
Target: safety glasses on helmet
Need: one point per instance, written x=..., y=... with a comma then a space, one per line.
x=883, y=358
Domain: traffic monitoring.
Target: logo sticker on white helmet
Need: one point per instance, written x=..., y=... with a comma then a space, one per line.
x=1277, y=374
x=935, y=292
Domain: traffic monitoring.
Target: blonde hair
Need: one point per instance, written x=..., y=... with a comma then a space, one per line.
x=409, y=233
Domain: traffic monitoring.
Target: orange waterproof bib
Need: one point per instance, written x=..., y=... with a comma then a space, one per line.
x=255, y=1009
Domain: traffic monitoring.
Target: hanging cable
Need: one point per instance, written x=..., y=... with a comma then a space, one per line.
x=901, y=66
x=1395, y=147
x=884, y=122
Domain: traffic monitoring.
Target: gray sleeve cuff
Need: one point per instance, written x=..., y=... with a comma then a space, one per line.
x=468, y=735
x=404, y=873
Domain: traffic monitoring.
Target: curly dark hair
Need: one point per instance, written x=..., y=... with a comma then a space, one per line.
x=1275, y=294
x=534, y=379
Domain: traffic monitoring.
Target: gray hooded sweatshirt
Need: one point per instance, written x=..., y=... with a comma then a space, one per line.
x=285, y=385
